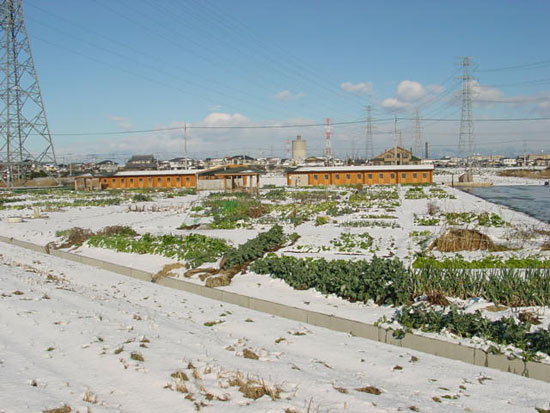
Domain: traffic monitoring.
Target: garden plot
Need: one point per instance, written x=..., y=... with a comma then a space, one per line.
x=361, y=253
x=93, y=341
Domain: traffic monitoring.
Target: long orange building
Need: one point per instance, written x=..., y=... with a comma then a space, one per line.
x=228, y=178
x=365, y=175
x=150, y=179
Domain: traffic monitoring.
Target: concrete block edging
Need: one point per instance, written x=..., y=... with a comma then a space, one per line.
x=429, y=345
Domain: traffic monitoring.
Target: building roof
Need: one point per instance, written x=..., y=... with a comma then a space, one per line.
x=142, y=158
x=159, y=173
x=362, y=168
x=228, y=170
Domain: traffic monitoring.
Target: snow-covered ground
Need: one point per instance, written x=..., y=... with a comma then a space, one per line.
x=68, y=332
x=55, y=332
x=488, y=175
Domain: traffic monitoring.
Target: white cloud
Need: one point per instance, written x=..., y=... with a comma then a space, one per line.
x=394, y=104
x=408, y=94
x=361, y=88
x=224, y=119
x=409, y=91
x=122, y=122
x=167, y=141
x=288, y=95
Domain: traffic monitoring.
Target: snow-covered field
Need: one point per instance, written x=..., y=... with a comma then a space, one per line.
x=488, y=175
x=68, y=333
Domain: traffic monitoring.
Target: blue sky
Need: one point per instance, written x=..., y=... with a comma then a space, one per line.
x=124, y=65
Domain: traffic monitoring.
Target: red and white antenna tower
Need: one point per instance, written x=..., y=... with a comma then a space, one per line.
x=328, y=144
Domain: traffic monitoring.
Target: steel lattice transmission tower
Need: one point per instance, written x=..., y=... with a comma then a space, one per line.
x=466, y=138
x=24, y=133
x=418, y=136
x=369, y=145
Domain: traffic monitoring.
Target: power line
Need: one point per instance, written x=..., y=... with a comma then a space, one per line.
x=533, y=65
x=306, y=125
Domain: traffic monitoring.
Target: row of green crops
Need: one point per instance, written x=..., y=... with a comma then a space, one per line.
x=67, y=204
x=381, y=280
x=505, y=331
x=370, y=224
x=387, y=281
x=489, y=261
x=195, y=249
x=417, y=192
x=511, y=287
x=255, y=248
x=483, y=219
x=228, y=212
x=347, y=242
x=375, y=197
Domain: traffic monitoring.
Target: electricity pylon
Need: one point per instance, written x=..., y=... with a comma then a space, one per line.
x=24, y=133
x=466, y=137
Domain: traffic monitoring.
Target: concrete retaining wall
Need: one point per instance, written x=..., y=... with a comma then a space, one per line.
x=424, y=344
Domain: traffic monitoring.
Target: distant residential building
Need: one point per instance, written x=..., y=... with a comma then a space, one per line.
x=486, y=160
x=239, y=160
x=509, y=161
x=141, y=163
x=107, y=166
x=211, y=162
x=314, y=161
x=535, y=159
x=181, y=163
x=396, y=156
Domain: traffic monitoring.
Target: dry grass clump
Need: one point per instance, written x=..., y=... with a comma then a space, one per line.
x=464, y=239
x=179, y=375
x=526, y=173
x=437, y=298
x=545, y=246
x=75, y=237
x=166, y=271
x=89, y=397
x=249, y=354
x=252, y=388
x=219, y=281
x=341, y=389
x=135, y=355
x=63, y=409
x=370, y=389
x=117, y=230
x=433, y=209
x=529, y=317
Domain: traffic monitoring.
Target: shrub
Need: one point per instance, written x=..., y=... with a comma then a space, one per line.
x=141, y=198
x=381, y=280
x=320, y=220
x=255, y=248
x=196, y=249
x=506, y=331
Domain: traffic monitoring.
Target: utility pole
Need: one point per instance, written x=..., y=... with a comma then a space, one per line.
x=328, y=144
x=185, y=144
x=23, y=123
x=395, y=142
x=418, y=136
x=369, y=150
x=466, y=137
